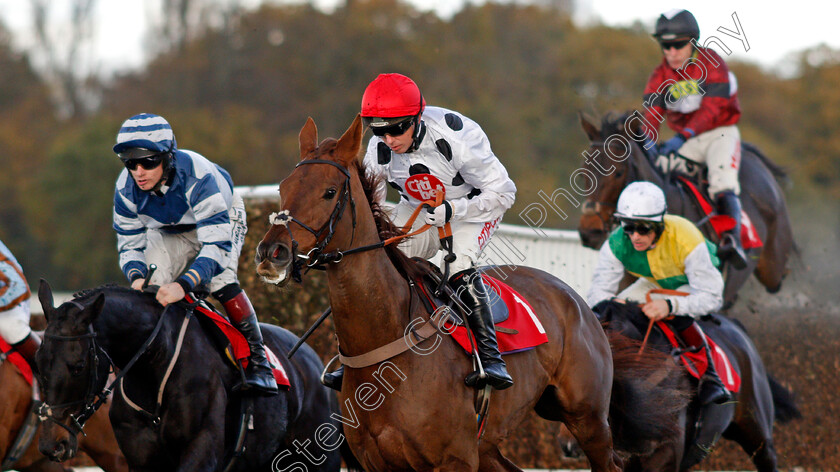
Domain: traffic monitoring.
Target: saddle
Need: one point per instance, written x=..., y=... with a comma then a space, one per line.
x=692, y=178
x=517, y=326
x=694, y=362
x=230, y=343
x=8, y=353
x=27, y=431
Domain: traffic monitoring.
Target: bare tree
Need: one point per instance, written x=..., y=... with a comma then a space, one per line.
x=65, y=55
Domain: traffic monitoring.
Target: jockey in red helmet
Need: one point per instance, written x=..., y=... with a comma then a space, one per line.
x=693, y=89
x=415, y=149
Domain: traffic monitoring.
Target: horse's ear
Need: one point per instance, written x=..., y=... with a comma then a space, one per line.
x=308, y=138
x=348, y=146
x=45, y=296
x=589, y=128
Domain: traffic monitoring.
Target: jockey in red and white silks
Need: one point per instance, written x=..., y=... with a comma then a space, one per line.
x=417, y=149
x=455, y=150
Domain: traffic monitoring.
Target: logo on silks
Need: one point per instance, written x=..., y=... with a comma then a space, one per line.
x=424, y=187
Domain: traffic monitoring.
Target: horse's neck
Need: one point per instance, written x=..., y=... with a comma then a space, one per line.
x=646, y=171
x=123, y=327
x=370, y=301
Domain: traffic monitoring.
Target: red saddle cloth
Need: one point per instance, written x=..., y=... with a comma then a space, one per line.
x=239, y=348
x=522, y=329
x=696, y=364
x=721, y=223
x=17, y=360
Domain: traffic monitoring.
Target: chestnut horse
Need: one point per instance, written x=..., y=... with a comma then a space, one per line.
x=413, y=412
x=174, y=408
x=616, y=159
x=15, y=403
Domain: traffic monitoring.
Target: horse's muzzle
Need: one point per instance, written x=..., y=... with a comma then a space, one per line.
x=273, y=262
x=592, y=238
x=58, y=449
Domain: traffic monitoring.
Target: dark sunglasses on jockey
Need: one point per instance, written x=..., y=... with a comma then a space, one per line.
x=640, y=227
x=678, y=44
x=396, y=129
x=145, y=158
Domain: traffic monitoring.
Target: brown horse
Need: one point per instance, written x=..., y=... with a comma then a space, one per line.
x=616, y=159
x=747, y=420
x=413, y=411
x=15, y=403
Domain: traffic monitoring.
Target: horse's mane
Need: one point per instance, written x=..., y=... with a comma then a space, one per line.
x=613, y=123
x=386, y=228
x=90, y=292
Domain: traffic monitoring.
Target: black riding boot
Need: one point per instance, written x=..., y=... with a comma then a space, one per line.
x=333, y=379
x=481, y=324
x=730, y=248
x=27, y=348
x=711, y=389
x=258, y=375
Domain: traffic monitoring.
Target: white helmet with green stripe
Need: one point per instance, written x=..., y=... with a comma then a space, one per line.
x=641, y=201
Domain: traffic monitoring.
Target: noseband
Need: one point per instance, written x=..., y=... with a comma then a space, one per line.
x=316, y=256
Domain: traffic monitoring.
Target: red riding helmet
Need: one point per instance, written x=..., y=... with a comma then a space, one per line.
x=392, y=96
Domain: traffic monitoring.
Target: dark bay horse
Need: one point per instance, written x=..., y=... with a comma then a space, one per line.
x=413, y=412
x=616, y=159
x=747, y=420
x=15, y=403
x=176, y=415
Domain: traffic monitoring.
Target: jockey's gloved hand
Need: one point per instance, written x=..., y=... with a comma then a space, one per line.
x=672, y=145
x=439, y=215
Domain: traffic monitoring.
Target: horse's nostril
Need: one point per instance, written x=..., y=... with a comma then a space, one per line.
x=280, y=254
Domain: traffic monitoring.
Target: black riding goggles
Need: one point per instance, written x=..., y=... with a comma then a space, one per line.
x=643, y=229
x=396, y=129
x=679, y=44
x=145, y=158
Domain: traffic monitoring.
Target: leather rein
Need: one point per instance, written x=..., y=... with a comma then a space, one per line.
x=317, y=257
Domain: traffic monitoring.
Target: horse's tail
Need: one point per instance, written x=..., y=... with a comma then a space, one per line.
x=779, y=172
x=351, y=463
x=647, y=396
x=784, y=401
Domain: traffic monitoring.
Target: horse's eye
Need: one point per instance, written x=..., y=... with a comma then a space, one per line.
x=78, y=368
x=329, y=194
x=619, y=173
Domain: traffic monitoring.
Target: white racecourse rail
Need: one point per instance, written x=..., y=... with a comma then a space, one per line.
x=558, y=252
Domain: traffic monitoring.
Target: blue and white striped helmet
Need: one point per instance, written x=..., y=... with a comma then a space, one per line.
x=146, y=131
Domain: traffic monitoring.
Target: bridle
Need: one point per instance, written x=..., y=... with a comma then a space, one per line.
x=316, y=256
x=97, y=393
x=93, y=398
x=596, y=207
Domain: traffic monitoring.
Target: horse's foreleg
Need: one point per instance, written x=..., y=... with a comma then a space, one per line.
x=206, y=448
x=493, y=461
x=593, y=436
